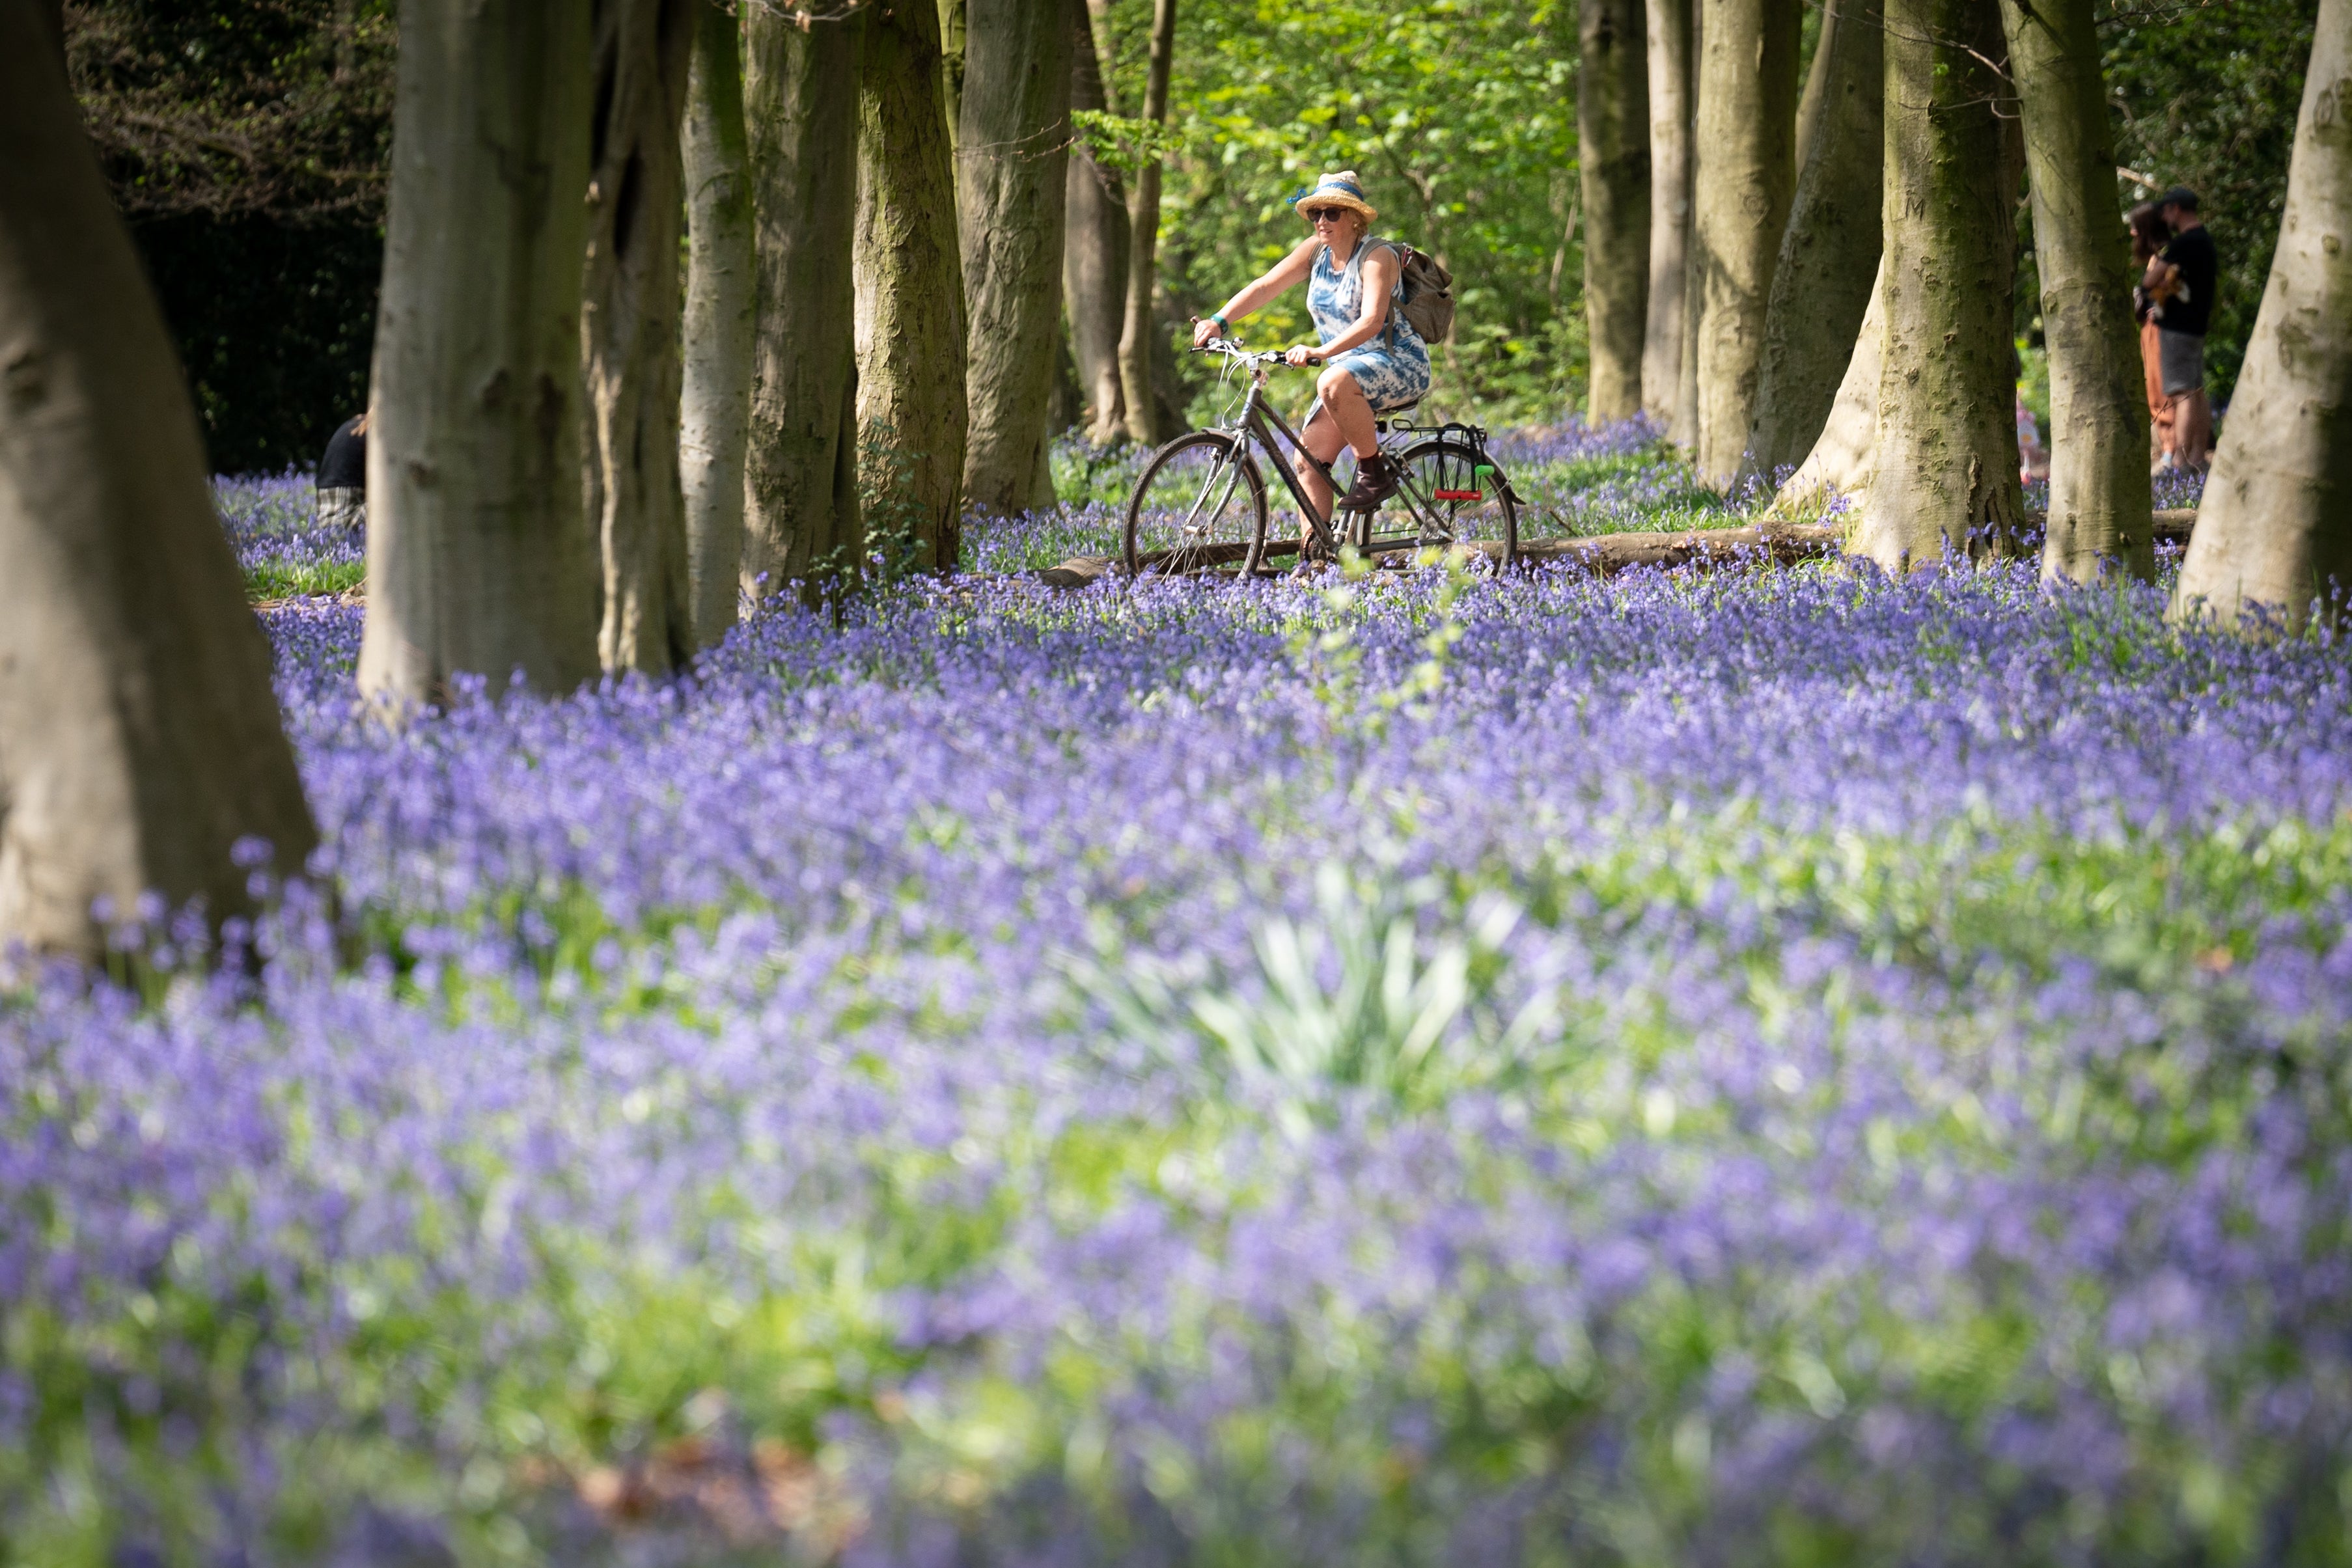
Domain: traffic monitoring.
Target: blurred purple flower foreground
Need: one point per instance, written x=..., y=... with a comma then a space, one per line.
x=1780, y=1067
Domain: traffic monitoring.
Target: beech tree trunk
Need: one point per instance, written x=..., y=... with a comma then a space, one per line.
x=1094, y=248
x=1845, y=453
x=478, y=557
x=911, y=316
x=2276, y=531
x=954, y=39
x=1946, y=465
x=1828, y=252
x=1613, y=114
x=1746, y=147
x=1012, y=172
x=629, y=332
x=139, y=735
x=1136, y=348
x=2099, y=504
x=721, y=313
x=1671, y=71
x=801, y=518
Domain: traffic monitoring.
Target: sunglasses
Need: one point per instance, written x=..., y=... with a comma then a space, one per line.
x=1319, y=213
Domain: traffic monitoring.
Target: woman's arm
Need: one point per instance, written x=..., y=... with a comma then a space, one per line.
x=1380, y=278
x=1282, y=276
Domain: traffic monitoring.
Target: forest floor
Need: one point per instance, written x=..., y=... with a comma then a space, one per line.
x=1411, y=1068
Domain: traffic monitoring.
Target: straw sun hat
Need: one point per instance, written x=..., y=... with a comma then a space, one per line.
x=1339, y=190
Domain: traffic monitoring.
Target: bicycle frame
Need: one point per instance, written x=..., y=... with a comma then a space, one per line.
x=1257, y=414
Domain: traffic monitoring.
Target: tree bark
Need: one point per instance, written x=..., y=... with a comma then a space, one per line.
x=1094, y=248
x=801, y=519
x=2275, y=529
x=910, y=314
x=1845, y=453
x=139, y=736
x=721, y=314
x=1612, y=113
x=629, y=332
x=1136, y=348
x=1011, y=184
x=1828, y=252
x=1670, y=69
x=1946, y=464
x=2099, y=503
x=478, y=557
x=1745, y=144
x=954, y=40
x=1816, y=84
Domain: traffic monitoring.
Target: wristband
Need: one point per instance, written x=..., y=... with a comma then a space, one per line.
x=1222, y=325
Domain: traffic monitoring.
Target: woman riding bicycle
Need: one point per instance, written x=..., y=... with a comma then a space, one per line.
x=1373, y=360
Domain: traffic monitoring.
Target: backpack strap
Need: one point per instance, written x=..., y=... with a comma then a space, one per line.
x=1356, y=270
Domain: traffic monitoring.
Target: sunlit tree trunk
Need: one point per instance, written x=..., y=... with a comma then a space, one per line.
x=1745, y=146
x=479, y=558
x=801, y=520
x=1612, y=115
x=1946, y=464
x=1829, y=251
x=954, y=40
x=1845, y=453
x=1094, y=248
x=2098, y=414
x=1670, y=70
x=1011, y=179
x=139, y=736
x=1137, y=349
x=2275, y=529
x=714, y=409
x=910, y=312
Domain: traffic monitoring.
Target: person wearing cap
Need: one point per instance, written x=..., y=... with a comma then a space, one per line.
x=2184, y=273
x=1373, y=362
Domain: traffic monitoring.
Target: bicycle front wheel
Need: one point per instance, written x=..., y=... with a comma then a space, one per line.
x=1458, y=496
x=1199, y=507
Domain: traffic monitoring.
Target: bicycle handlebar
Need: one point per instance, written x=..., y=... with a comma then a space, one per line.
x=1232, y=349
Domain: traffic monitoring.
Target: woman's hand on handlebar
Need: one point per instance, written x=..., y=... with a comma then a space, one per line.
x=1204, y=328
x=1302, y=354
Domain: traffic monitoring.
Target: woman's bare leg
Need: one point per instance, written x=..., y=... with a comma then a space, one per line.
x=1343, y=418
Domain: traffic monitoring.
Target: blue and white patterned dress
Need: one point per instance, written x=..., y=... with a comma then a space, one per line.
x=1392, y=368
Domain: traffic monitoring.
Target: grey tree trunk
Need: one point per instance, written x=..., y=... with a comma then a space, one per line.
x=1946, y=464
x=955, y=41
x=910, y=315
x=801, y=519
x=1094, y=248
x=1817, y=83
x=1012, y=180
x=139, y=736
x=478, y=557
x=1136, y=349
x=2275, y=529
x=1845, y=453
x=1828, y=252
x=629, y=331
x=1613, y=116
x=2099, y=502
x=721, y=312
x=1671, y=72
x=1745, y=149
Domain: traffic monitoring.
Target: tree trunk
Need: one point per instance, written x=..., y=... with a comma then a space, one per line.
x=1845, y=453
x=1946, y=465
x=800, y=92
x=478, y=557
x=139, y=736
x=629, y=332
x=1094, y=248
x=1828, y=252
x=1011, y=184
x=1613, y=114
x=721, y=313
x=1817, y=83
x=2099, y=505
x=2276, y=531
x=1669, y=65
x=910, y=316
x=954, y=39
x=1136, y=348
x=1746, y=143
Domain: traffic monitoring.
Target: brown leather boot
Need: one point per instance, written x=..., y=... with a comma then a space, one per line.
x=1377, y=478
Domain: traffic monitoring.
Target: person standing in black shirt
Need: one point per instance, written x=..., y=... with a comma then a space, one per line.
x=2181, y=278
x=342, y=477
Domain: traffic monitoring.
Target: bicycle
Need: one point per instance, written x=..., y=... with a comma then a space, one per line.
x=1200, y=505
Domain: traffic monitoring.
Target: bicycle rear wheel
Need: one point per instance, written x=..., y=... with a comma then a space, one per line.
x=1454, y=494
x=1199, y=507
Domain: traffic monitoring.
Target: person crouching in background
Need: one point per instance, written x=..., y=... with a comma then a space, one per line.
x=342, y=478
